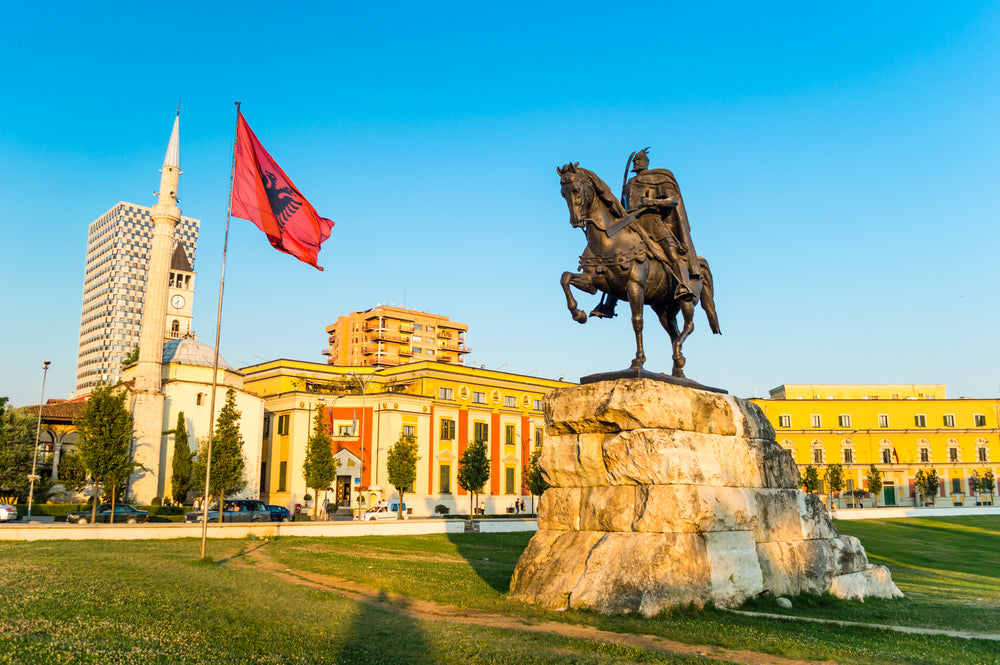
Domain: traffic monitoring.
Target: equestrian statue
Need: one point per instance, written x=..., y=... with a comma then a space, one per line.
x=639, y=249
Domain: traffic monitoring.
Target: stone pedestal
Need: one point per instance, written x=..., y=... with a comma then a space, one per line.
x=664, y=496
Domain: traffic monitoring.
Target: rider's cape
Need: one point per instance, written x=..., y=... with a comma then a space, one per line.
x=660, y=184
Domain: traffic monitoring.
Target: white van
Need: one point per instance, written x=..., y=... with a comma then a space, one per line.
x=384, y=511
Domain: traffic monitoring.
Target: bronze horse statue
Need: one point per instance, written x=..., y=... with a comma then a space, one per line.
x=619, y=262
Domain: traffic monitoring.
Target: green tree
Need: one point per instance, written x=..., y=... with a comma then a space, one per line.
x=402, y=466
x=105, y=445
x=72, y=472
x=228, y=462
x=834, y=480
x=927, y=484
x=17, y=447
x=534, y=478
x=319, y=467
x=874, y=482
x=130, y=358
x=975, y=485
x=810, y=479
x=474, y=471
x=989, y=483
x=180, y=474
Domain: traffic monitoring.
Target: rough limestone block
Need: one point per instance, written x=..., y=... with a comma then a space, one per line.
x=755, y=424
x=777, y=464
x=667, y=457
x=779, y=568
x=815, y=519
x=551, y=567
x=559, y=509
x=779, y=515
x=607, y=508
x=848, y=555
x=611, y=406
x=574, y=460
x=875, y=581
x=735, y=571
x=644, y=572
x=693, y=509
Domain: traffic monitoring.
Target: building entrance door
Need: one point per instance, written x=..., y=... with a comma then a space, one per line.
x=344, y=490
x=890, y=494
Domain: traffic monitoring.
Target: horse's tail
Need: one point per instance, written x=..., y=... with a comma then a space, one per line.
x=708, y=296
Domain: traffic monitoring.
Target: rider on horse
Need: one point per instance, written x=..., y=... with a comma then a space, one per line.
x=655, y=209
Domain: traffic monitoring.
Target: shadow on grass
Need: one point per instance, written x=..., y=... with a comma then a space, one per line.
x=492, y=556
x=378, y=635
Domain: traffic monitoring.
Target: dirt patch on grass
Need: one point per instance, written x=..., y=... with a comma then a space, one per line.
x=427, y=611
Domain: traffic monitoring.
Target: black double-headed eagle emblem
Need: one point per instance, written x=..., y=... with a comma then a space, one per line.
x=285, y=201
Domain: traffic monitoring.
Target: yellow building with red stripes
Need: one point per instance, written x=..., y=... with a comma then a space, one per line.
x=444, y=406
x=899, y=428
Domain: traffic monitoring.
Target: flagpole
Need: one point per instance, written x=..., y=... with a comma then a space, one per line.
x=215, y=367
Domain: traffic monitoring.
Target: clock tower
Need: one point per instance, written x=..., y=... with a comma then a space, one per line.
x=180, y=295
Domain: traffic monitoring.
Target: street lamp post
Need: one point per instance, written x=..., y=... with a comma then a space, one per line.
x=38, y=432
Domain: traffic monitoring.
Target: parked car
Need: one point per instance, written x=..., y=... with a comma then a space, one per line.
x=235, y=510
x=124, y=514
x=279, y=513
x=7, y=512
x=384, y=511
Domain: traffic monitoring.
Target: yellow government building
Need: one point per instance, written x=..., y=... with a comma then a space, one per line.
x=899, y=428
x=445, y=406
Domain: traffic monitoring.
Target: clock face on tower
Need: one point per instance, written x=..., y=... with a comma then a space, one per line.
x=177, y=301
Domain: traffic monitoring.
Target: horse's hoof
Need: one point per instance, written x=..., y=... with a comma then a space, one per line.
x=637, y=364
x=678, y=373
x=580, y=316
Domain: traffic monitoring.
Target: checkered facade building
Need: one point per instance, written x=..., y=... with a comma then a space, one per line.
x=119, y=244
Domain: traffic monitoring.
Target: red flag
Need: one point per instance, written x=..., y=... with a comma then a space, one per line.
x=264, y=195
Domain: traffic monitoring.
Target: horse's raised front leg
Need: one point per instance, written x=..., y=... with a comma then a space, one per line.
x=582, y=281
x=687, y=311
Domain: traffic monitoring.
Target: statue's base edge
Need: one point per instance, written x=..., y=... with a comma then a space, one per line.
x=646, y=374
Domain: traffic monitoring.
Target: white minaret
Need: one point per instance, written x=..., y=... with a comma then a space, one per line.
x=147, y=411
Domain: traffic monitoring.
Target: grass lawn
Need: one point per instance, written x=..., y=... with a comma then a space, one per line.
x=152, y=602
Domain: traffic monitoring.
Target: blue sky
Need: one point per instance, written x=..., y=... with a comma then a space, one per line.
x=839, y=165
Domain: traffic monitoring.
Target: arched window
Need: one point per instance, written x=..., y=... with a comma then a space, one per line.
x=175, y=327
x=885, y=451
x=847, y=451
x=817, y=451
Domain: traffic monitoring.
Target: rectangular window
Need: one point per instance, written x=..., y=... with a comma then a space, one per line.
x=509, y=480
x=538, y=405
x=446, y=393
x=267, y=426
x=282, y=472
x=925, y=455
x=956, y=485
x=818, y=456
x=416, y=350
x=345, y=430
x=949, y=420
x=815, y=420
x=409, y=430
x=447, y=429
x=848, y=456
x=979, y=420
x=953, y=454
x=920, y=420
x=784, y=421
x=844, y=420
x=883, y=420
x=509, y=435
x=540, y=436
x=444, y=475
x=510, y=402
x=481, y=431
x=417, y=326
x=283, y=425
x=982, y=454
x=478, y=397
x=886, y=456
